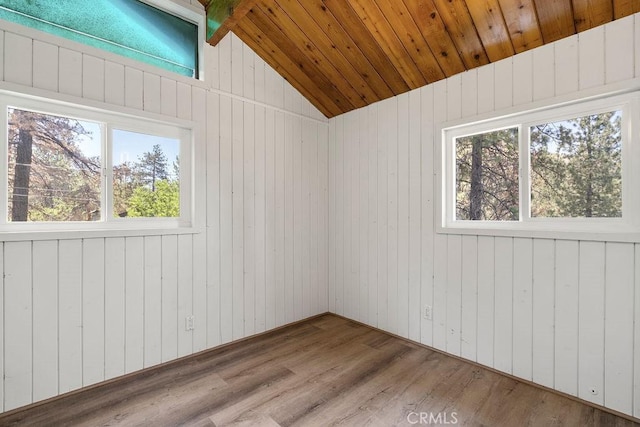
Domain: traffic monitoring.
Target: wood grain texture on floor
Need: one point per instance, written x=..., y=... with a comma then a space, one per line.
x=321, y=372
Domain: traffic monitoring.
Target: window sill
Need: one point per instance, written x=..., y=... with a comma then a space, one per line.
x=93, y=233
x=555, y=233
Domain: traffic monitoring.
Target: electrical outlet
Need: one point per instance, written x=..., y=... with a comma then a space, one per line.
x=428, y=312
x=189, y=323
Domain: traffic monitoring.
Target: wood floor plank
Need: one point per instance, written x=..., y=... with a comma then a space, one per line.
x=325, y=371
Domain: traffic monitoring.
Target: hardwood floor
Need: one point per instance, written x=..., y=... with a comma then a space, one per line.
x=324, y=371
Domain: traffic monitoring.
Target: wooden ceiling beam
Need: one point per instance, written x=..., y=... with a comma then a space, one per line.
x=430, y=24
x=522, y=23
x=409, y=34
x=492, y=29
x=591, y=13
x=274, y=17
x=343, y=44
x=223, y=16
x=351, y=23
x=556, y=19
x=459, y=24
x=622, y=8
x=301, y=26
x=294, y=52
x=386, y=37
x=287, y=68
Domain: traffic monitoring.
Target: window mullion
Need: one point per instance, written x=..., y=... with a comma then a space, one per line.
x=525, y=172
x=107, y=171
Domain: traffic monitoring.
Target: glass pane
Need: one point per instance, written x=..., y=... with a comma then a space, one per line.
x=576, y=167
x=146, y=175
x=126, y=27
x=53, y=168
x=487, y=176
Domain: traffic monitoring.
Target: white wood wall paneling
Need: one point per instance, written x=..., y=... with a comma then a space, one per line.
x=413, y=301
x=18, y=59
x=469, y=298
x=214, y=252
x=45, y=66
x=565, y=70
x=591, y=322
x=470, y=93
x=503, y=321
x=45, y=318
x=134, y=304
x=543, y=72
x=523, y=78
x=591, y=59
x=289, y=219
x=114, y=88
x=119, y=304
x=280, y=176
x=439, y=295
x=522, y=308
x=93, y=311
x=297, y=248
x=566, y=316
x=401, y=309
x=238, y=215
x=619, y=63
x=199, y=110
x=185, y=293
x=453, y=290
x=503, y=78
x=249, y=279
x=18, y=318
x=486, y=300
x=152, y=93
x=169, y=288
x=70, y=311
x=618, y=342
x=134, y=88
x=348, y=298
x=372, y=209
x=260, y=219
x=92, y=78
x=226, y=217
x=70, y=72
x=153, y=303
x=363, y=215
x=270, y=219
x=114, y=313
x=543, y=312
x=383, y=230
x=427, y=210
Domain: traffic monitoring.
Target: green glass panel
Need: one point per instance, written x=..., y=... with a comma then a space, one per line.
x=126, y=27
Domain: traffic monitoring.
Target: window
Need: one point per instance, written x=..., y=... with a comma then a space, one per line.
x=72, y=166
x=566, y=168
x=130, y=28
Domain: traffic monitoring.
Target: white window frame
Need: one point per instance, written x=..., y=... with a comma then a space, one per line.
x=628, y=103
x=182, y=130
x=191, y=14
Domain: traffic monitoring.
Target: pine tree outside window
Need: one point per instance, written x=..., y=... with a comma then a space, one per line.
x=69, y=167
x=564, y=168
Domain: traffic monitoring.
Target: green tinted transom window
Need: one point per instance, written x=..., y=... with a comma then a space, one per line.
x=126, y=27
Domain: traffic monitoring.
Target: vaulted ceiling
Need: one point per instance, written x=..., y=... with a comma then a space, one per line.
x=345, y=54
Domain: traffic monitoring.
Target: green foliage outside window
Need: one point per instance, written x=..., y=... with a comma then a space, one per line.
x=575, y=170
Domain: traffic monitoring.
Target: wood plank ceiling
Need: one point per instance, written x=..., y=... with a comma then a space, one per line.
x=345, y=54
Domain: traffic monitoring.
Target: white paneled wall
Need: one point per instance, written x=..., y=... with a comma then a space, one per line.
x=83, y=309
x=560, y=313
